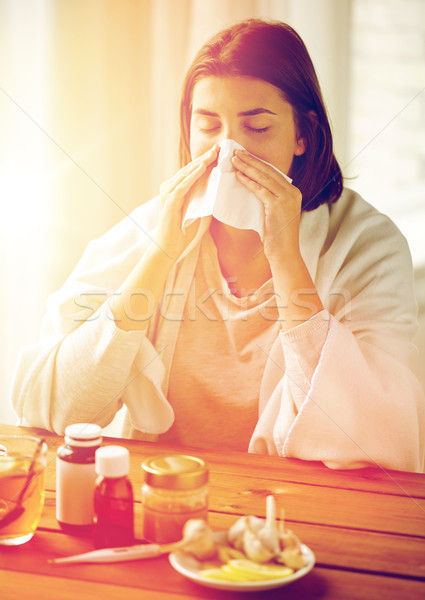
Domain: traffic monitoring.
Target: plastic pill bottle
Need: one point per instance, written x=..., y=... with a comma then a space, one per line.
x=174, y=491
x=113, y=498
x=76, y=476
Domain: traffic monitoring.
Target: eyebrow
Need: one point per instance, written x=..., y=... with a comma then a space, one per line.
x=246, y=113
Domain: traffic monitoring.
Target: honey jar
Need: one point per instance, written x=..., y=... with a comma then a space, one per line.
x=174, y=491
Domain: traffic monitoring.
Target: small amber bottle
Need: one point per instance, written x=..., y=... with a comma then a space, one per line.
x=113, y=523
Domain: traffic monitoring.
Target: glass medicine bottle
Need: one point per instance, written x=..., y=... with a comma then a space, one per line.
x=174, y=491
x=76, y=476
x=113, y=523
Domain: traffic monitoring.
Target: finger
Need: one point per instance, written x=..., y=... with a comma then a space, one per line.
x=259, y=180
x=256, y=188
x=208, y=158
x=255, y=169
x=268, y=199
x=250, y=159
x=176, y=198
x=189, y=181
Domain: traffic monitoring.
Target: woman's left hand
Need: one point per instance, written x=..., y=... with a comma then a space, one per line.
x=282, y=210
x=281, y=201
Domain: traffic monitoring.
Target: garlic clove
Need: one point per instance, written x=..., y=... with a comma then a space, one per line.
x=288, y=539
x=292, y=557
x=291, y=554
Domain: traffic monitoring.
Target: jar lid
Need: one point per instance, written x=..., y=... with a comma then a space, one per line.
x=175, y=472
x=83, y=434
x=112, y=461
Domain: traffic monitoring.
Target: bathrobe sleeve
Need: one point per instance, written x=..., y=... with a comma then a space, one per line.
x=340, y=388
x=84, y=367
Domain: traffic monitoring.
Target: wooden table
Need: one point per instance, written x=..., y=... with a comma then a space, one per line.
x=366, y=527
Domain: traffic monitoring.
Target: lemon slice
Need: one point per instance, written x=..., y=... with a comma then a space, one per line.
x=226, y=553
x=221, y=575
x=244, y=571
x=244, y=576
x=13, y=467
x=261, y=572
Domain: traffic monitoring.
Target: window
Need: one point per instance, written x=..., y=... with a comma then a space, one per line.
x=387, y=112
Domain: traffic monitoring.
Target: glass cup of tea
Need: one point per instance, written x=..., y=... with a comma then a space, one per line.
x=22, y=471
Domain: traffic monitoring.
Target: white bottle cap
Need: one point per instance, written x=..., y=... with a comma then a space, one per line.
x=112, y=461
x=83, y=434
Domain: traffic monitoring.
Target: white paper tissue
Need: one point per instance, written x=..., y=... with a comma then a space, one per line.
x=225, y=198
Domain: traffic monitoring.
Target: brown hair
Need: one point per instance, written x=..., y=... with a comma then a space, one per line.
x=274, y=52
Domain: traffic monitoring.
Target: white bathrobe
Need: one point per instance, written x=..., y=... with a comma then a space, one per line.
x=338, y=388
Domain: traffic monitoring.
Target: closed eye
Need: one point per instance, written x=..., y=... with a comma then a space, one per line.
x=257, y=129
x=209, y=129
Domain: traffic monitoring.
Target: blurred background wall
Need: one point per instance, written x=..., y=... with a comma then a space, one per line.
x=89, y=97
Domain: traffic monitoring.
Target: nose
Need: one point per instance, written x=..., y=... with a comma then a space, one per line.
x=232, y=129
x=229, y=131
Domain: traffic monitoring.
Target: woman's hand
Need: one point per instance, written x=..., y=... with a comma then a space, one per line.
x=281, y=201
x=170, y=237
x=297, y=294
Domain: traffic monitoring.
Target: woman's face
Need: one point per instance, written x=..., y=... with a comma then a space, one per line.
x=248, y=110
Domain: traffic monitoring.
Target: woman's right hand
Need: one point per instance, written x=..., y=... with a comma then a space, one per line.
x=173, y=193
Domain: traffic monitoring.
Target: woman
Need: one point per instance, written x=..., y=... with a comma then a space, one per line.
x=297, y=343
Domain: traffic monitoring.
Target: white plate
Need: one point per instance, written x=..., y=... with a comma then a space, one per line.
x=189, y=566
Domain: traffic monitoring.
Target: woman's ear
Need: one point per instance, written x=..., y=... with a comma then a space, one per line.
x=301, y=145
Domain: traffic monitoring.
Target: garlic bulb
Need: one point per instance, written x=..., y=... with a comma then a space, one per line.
x=291, y=554
x=269, y=534
x=235, y=535
x=198, y=539
x=255, y=548
x=259, y=539
x=263, y=541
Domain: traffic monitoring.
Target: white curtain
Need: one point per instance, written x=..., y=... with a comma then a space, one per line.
x=89, y=97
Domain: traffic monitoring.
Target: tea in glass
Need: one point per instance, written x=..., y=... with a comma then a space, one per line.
x=22, y=473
